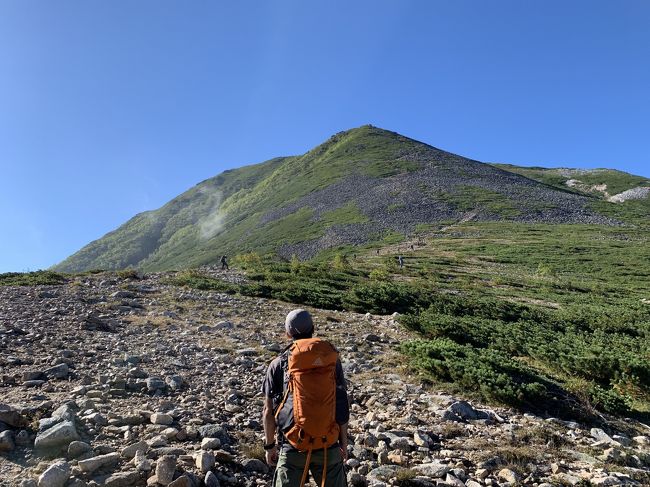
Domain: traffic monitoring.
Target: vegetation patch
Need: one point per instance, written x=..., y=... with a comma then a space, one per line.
x=37, y=278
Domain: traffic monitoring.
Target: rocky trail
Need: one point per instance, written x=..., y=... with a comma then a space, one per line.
x=109, y=381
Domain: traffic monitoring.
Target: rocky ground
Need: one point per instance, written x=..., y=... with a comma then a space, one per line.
x=109, y=381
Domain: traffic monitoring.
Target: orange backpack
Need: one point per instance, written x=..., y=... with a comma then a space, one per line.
x=312, y=383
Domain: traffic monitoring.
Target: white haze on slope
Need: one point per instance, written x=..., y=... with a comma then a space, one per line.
x=211, y=224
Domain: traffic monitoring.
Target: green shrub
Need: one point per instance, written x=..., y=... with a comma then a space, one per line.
x=384, y=298
x=249, y=261
x=197, y=280
x=609, y=400
x=490, y=373
x=340, y=262
x=129, y=274
x=37, y=278
x=379, y=274
x=295, y=264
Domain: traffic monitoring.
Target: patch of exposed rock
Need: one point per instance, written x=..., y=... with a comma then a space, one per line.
x=631, y=194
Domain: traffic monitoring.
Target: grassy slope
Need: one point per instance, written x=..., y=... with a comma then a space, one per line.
x=139, y=239
x=616, y=181
x=171, y=237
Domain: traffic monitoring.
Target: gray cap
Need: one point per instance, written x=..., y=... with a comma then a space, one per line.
x=298, y=322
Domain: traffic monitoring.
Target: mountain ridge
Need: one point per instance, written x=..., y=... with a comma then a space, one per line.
x=357, y=187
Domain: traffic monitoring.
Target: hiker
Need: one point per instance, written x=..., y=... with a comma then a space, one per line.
x=308, y=373
x=224, y=264
x=400, y=259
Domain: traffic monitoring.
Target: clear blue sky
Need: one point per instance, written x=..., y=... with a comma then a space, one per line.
x=109, y=108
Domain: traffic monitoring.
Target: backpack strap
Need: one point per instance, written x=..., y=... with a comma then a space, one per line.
x=304, y=472
x=284, y=365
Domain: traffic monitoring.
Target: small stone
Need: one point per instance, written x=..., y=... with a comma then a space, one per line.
x=175, y=382
x=141, y=462
x=78, y=448
x=161, y=418
x=130, y=451
x=214, y=431
x=182, y=481
x=55, y=476
x=7, y=441
x=255, y=465
x=482, y=473
x=454, y=481
x=58, y=436
x=557, y=468
x=355, y=479
x=509, y=475
x=165, y=469
x=22, y=438
x=623, y=440
x=205, y=461
x=383, y=473
x=9, y=415
x=464, y=410
x=155, y=383
x=95, y=463
x=211, y=480
x=122, y=479
x=434, y=469
x=599, y=435
x=210, y=444
x=398, y=458
x=421, y=439
x=60, y=371
x=224, y=325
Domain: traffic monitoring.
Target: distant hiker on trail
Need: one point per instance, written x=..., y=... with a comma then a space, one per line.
x=400, y=260
x=224, y=264
x=312, y=436
x=377, y=251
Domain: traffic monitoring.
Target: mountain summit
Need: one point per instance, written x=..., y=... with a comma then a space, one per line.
x=358, y=187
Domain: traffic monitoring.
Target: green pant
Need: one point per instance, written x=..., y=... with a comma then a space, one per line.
x=291, y=465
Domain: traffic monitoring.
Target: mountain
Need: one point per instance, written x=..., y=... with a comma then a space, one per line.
x=608, y=184
x=361, y=186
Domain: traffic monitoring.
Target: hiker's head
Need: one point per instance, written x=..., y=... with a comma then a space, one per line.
x=299, y=324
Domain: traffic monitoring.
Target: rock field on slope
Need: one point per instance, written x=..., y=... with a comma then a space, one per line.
x=113, y=382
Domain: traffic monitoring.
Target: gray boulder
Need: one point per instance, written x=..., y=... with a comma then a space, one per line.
x=57, y=437
x=60, y=371
x=165, y=469
x=95, y=463
x=11, y=416
x=432, y=470
x=78, y=448
x=122, y=479
x=7, y=441
x=55, y=476
x=255, y=465
x=211, y=480
x=464, y=410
